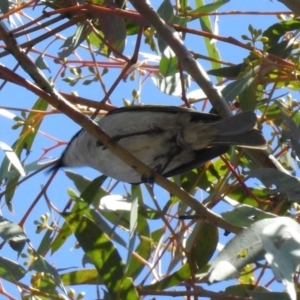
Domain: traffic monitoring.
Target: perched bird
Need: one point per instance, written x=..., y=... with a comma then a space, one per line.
x=170, y=140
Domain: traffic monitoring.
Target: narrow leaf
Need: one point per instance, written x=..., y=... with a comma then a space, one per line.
x=13, y=233
x=13, y=158
x=286, y=184
x=233, y=89
x=171, y=85
x=104, y=255
x=10, y=270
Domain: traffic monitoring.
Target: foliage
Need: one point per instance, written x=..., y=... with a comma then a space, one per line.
x=146, y=240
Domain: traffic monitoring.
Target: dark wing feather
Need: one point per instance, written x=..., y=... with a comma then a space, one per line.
x=195, y=115
x=203, y=156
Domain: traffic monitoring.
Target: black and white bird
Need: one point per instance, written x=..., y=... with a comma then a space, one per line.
x=170, y=140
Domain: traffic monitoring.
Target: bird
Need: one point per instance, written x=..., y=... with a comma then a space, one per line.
x=171, y=140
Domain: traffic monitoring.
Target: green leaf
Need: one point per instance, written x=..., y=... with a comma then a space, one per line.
x=4, y=6
x=168, y=66
x=90, y=193
x=171, y=85
x=268, y=295
x=73, y=41
x=41, y=64
x=135, y=266
x=202, y=244
x=131, y=27
x=248, y=95
x=291, y=128
x=24, y=142
x=12, y=157
x=45, y=243
x=244, y=215
x=10, y=270
x=113, y=29
x=144, y=249
x=283, y=49
x=61, y=237
x=93, y=190
x=41, y=265
x=233, y=89
x=246, y=247
x=287, y=185
x=166, y=12
x=204, y=9
x=281, y=243
x=86, y=276
x=227, y=72
x=13, y=234
x=276, y=31
x=205, y=23
x=175, y=278
x=132, y=229
x=242, y=290
x=97, y=245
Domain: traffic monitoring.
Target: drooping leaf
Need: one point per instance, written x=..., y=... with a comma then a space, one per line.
x=41, y=265
x=248, y=95
x=168, y=66
x=205, y=23
x=210, y=7
x=233, y=89
x=287, y=185
x=245, y=215
x=10, y=270
x=78, y=277
x=166, y=12
x=13, y=158
x=112, y=26
x=144, y=249
x=89, y=193
x=202, y=244
x=276, y=31
x=13, y=234
x=97, y=245
x=291, y=128
x=227, y=72
x=132, y=229
x=25, y=141
x=41, y=64
x=171, y=85
x=174, y=279
x=282, y=245
x=246, y=247
x=282, y=49
x=256, y=295
x=45, y=243
x=4, y=6
x=242, y=290
x=93, y=190
x=73, y=41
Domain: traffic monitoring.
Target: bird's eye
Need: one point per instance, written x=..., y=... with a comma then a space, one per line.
x=99, y=143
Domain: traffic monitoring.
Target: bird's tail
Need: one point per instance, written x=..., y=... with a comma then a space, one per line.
x=239, y=130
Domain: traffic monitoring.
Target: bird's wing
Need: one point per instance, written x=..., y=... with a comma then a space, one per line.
x=202, y=156
x=195, y=115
